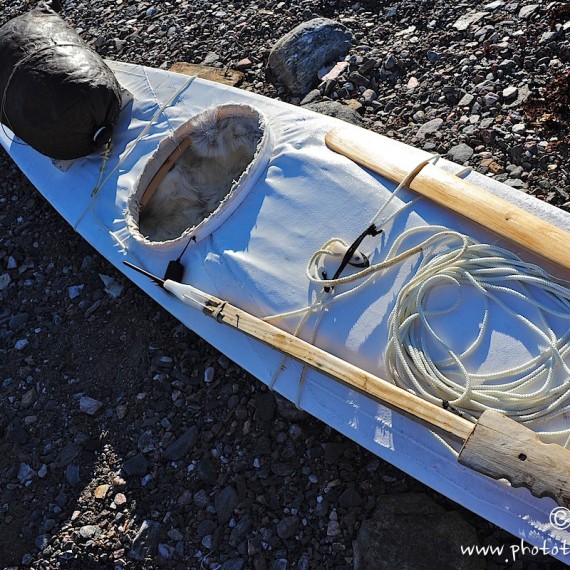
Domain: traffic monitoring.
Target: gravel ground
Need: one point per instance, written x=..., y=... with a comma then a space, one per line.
x=125, y=440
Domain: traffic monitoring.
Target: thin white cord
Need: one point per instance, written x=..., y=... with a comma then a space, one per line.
x=534, y=392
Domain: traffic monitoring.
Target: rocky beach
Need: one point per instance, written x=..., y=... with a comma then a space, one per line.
x=126, y=441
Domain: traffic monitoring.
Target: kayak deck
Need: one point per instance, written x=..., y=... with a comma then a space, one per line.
x=298, y=195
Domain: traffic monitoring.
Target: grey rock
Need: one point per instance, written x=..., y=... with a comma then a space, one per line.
x=72, y=474
x=201, y=499
x=175, y=534
x=297, y=57
x=494, y=5
x=460, y=153
x=390, y=62
x=146, y=442
x=165, y=551
x=136, y=465
x=515, y=183
x=210, y=58
x=527, y=11
x=233, y=564
x=206, y=527
x=225, y=502
x=25, y=473
x=42, y=541
x=311, y=97
x=304, y=563
x=180, y=447
x=89, y=406
x=17, y=321
x=287, y=527
x=548, y=37
x=336, y=110
x=89, y=531
x=5, y=280
x=279, y=564
x=369, y=95
x=467, y=19
x=209, y=374
x=490, y=99
x=69, y=452
x=146, y=540
x=207, y=472
x=523, y=93
x=350, y=499
x=74, y=291
x=429, y=128
x=242, y=528
x=438, y=535
x=509, y=93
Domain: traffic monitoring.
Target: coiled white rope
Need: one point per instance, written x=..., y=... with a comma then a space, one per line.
x=535, y=392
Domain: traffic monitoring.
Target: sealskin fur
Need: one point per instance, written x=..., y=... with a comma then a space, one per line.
x=220, y=150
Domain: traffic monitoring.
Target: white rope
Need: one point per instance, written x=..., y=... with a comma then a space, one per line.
x=535, y=392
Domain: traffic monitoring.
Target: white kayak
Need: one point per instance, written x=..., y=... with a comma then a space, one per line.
x=287, y=217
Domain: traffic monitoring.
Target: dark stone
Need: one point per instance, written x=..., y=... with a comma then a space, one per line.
x=225, y=502
x=287, y=527
x=241, y=529
x=206, y=527
x=18, y=321
x=383, y=542
x=233, y=564
x=136, y=465
x=69, y=452
x=17, y=432
x=146, y=540
x=334, y=451
x=297, y=57
x=265, y=406
x=350, y=498
x=72, y=474
x=281, y=469
x=460, y=153
x=180, y=447
x=311, y=97
x=336, y=110
x=207, y=472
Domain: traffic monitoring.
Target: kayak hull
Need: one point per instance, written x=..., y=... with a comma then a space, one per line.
x=297, y=195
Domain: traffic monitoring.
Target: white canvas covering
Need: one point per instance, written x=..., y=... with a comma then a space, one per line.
x=297, y=195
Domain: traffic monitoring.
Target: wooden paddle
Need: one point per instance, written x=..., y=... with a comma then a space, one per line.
x=495, y=446
x=395, y=161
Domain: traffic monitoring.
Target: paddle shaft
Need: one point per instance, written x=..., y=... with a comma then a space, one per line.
x=496, y=446
x=395, y=161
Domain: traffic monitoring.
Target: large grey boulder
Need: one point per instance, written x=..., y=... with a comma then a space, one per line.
x=297, y=57
x=336, y=110
x=409, y=531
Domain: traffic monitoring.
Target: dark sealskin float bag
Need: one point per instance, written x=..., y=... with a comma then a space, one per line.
x=56, y=94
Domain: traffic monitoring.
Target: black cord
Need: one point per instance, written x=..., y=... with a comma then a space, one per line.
x=373, y=231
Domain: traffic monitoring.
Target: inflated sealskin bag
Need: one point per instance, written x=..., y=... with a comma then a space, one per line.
x=56, y=94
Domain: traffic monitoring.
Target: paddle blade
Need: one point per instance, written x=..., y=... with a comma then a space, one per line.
x=503, y=449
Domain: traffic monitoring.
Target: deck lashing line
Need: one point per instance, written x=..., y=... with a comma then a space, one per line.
x=326, y=295
x=530, y=392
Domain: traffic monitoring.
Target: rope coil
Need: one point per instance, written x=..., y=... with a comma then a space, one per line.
x=535, y=392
